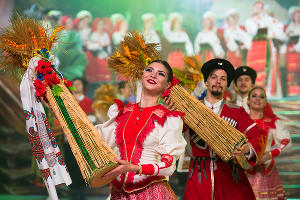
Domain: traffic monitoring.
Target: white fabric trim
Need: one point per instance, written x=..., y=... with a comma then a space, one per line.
x=249, y=127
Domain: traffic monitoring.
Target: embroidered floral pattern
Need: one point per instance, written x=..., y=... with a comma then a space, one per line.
x=29, y=114
x=51, y=159
x=60, y=158
x=45, y=173
x=49, y=131
x=37, y=148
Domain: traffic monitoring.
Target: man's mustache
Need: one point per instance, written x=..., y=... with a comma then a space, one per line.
x=217, y=86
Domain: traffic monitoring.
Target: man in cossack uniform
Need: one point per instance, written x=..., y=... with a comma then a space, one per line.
x=209, y=177
x=244, y=81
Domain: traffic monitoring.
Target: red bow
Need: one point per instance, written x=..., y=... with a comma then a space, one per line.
x=167, y=92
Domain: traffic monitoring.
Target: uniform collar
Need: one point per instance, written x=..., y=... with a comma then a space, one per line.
x=239, y=98
x=216, y=106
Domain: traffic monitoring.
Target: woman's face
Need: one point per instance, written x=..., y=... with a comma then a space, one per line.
x=177, y=24
x=207, y=23
x=232, y=20
x=69, y=24
x=257, y=99
x=149, y=24
x=155, y=78
x=100, y=26
x=124, y=26
x=258, y=8
x=84, y=23
x=296, y=17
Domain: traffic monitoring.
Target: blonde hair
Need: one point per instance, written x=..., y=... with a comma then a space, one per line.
x=257, y=87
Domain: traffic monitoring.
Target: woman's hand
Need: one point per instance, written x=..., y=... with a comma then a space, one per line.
x=124, y=167
x=266, y=156
x=169, y=103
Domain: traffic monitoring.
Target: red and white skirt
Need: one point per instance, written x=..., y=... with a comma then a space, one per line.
x=156, y=191
x=267, y=186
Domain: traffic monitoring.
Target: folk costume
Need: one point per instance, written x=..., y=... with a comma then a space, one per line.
x=209, y=177
x=149, y=32
x=74, y=64
x=264, y=178
x=292, y=51
x=151, y=137
x=207, y=44
x=179, y=39
x=99, y=47
x=267, y=36
x=237, y=40
x=84, y=32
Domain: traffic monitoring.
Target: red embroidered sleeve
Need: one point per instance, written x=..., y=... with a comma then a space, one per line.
x=278, y=150
x=153, y=169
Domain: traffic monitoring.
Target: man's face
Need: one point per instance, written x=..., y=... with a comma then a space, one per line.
x=216, y=82
x=78, y=85
x=244, y=84
x=126, y=91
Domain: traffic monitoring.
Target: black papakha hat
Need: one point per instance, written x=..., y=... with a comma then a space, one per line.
x=245, y=70
x=218, y=63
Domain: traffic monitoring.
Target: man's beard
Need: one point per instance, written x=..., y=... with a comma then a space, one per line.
x=216, y=93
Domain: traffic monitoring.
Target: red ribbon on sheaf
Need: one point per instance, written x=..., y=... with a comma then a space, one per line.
x=167, y=92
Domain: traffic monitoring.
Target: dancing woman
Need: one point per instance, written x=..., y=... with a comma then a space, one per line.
x=148, y=137
x=264, y=178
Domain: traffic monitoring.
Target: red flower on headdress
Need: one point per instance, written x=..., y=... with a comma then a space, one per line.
x=40, y=88
x=167, y=92
x=51, y=79
x=43, y=67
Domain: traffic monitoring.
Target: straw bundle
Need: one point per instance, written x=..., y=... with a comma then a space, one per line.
x=215, y=131
x=93, y=155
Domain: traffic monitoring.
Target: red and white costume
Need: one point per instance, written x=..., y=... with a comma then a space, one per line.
x=86, y=104
x=215, y=178
x=179, y=39
x=149, y=32
x=236, y=39
x=100, y=44
x=151, y=137
x=264, y=178
x=292, y=51
x=120, y=28
x=207, y=44
x=262, y=55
